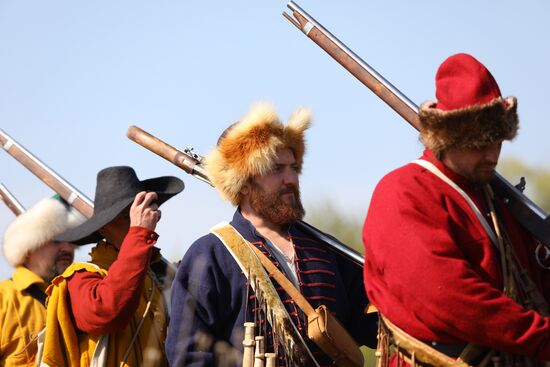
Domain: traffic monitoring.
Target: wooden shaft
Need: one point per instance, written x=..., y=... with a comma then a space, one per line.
x=249, y=343
x=70, y=194
x=259, y=353
x=369, y=78
x=10, y=201
x=533, y=218
x=161, y=148
x=270, y=359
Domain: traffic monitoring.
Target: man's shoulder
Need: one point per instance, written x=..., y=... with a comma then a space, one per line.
x=79, y=267
x=206, y=243
x=208, y=247
x=208, y=257
x=6, y=285
x=405, y=176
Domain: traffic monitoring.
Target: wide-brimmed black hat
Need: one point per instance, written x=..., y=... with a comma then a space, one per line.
x=115, y=190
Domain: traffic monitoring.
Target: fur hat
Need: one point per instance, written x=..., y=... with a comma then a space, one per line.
x=249, y=147
x=470, y=111
x=37, y=226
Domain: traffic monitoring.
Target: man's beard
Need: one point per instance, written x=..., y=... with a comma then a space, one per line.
x=273, y=208
x=481, y=175
x=60, y=263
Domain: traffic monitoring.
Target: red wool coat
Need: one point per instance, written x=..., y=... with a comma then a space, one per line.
x=432, y=270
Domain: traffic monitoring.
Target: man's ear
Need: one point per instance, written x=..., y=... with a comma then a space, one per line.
x=245, y=190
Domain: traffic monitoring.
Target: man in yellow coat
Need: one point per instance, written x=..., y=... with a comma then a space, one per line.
x=29, y=247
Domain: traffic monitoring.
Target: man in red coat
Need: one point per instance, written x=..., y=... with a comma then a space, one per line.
x=443, y=255
x=112, y=309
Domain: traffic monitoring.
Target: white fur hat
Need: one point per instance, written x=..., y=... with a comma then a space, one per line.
x=40, y=224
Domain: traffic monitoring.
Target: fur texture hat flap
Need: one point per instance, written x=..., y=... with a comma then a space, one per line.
x=37, y=226
x=249, y=147
x=470, y=111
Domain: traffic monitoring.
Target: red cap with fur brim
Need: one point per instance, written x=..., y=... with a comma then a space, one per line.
x=470, y=111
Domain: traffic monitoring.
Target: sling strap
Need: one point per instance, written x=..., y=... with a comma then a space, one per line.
x=432, y=168
x=277, y=315
x=284, y=282
x=322, y=327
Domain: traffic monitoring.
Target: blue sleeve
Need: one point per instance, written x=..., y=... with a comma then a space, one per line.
x=203, y=316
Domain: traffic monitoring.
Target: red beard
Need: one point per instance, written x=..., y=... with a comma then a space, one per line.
x=274, y=208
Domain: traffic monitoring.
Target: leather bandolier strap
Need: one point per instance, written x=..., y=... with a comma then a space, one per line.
x=409, y=349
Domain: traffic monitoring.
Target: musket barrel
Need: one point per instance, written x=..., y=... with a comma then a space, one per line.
x=355, y=65
x=11, y=202
x=336, y=245
x=533, y=218
x=69, y=193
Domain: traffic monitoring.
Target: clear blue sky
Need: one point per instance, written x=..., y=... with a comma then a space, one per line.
x=75, y=74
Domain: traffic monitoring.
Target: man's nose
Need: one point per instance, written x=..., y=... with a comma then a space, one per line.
x=290, y=177
x=492, y=153
x=66, y=247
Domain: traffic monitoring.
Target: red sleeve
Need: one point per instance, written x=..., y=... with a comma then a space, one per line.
x=431, y=282
x=105, y=305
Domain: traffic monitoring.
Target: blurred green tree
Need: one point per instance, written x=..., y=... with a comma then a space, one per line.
x=538, y=180
x=329, y=218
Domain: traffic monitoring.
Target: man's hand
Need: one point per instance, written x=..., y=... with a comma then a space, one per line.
x=144, y=211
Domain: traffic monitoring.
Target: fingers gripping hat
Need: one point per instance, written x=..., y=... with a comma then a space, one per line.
x=470, y=111
x=38, y=226
x=115, y=190
x=249, y=148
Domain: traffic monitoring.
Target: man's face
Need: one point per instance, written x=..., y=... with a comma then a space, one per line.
x=476, y=165
x=275, y=196
x=116, y=230
x=51, y=259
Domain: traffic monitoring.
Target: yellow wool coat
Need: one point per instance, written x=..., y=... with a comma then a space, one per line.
x=64, y=346
x=21, y=318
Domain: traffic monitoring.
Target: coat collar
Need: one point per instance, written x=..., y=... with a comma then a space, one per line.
x=23, y=278
x=247, y=229
x=460, y=180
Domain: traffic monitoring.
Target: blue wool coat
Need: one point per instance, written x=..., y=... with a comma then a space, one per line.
x=211, y=300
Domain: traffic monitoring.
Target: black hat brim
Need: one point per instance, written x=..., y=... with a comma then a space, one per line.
x=88, y=232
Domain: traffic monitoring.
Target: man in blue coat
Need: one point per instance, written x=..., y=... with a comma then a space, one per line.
x=256, y=166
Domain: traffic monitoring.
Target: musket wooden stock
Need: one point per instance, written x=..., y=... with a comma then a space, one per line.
x=70, y=194
x=181, y=159
x=159, y=147
x=10, y=201
x=533, y=218
x=354, y=64
x=173, y=155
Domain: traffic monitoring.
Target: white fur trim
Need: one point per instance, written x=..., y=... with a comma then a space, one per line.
x=40, y=224
x=300, y=119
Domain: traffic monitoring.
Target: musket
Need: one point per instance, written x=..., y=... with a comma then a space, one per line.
x=191, y=162
x=532, y=217
x=68, y=192
x=11, y=202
